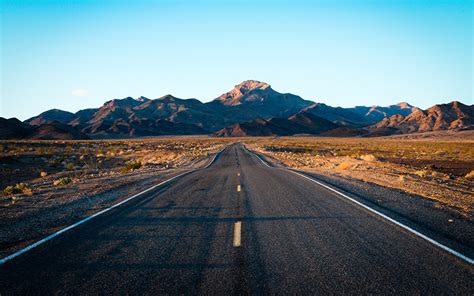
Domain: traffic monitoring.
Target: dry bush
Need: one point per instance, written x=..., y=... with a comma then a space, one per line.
x=69, y=166
x=43, y=174
x=132, y=165
x=9, y=190
x=422, y=173
x=368, y=157
x=62, y=181
x=18, y=188
x=344, y=166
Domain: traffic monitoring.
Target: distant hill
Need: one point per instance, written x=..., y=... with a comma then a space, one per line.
x=452, y=116
x=375, y=114
x=169, y=115
x=14, y=129
x=248, y=107
x=56, y=131
x=338, y=115
x=300, y=123
x=261, y=98
x=253, y=99
x=50, y=116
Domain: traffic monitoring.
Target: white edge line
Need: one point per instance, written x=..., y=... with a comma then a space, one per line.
x=258, y=157
x=51, y=236
x=421, y=235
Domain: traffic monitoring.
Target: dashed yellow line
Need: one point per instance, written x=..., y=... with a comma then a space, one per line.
x=238, y=188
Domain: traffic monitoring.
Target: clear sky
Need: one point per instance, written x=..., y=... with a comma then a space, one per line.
x=72, y=55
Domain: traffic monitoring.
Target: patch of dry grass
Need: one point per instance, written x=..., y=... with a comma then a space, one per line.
x=470, y=175
x=368, y=157
x=344, y=166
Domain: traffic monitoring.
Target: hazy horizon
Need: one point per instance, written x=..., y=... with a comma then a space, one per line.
x=72, y=55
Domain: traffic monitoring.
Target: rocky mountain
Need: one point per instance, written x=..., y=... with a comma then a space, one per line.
x=56, y=131
x=253, y=99
x=130, y=117
x=337, y=115
x=249, y=106
x=189, y=111
x=15, y=129
x=375, y=114
x=300, y=123
x=50, y=116
x=452, y=116
x=140, y=117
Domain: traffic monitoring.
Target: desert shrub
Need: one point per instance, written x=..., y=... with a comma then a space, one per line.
x=62, y=181
x=422, y=173
x=344, y=166
x=90, y=161
x=470, y=175
x=69, y=166
x=9, y=190
x=43, y=174
x=401, y=178
x=18, y=188
x=23, y=188
x=368, y=157
x=40, y=150
x=132, y=165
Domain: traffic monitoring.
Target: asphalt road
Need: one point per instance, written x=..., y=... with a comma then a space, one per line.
x=296, y=238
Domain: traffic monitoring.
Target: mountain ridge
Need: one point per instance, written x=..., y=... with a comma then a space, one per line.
x=250, y=101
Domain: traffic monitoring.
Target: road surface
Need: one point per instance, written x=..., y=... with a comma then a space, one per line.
x=237, y=227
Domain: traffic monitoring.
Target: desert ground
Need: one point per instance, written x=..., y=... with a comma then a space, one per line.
x=47, y=185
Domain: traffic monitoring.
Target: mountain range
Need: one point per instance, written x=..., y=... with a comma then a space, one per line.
x=251, y=108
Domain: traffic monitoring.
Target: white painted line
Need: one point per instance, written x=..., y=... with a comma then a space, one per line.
x=40, y=242
x=258, y=157
x=237, y=234
x=407, y=228
x=238, y=188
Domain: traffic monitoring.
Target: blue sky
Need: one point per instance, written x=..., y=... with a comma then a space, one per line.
x=72, y=55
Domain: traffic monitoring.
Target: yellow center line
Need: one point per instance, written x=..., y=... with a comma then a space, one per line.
x=237, y=233
x=238, y=188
